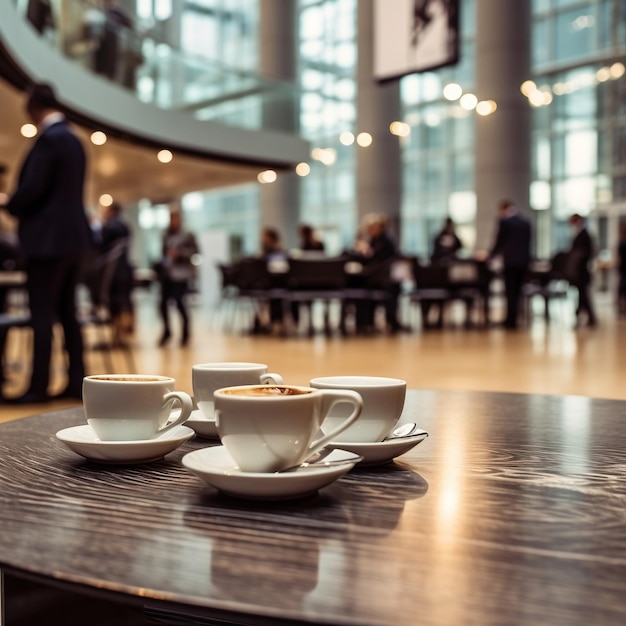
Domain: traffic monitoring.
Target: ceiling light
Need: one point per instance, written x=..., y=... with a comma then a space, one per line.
x=28, y=130
x=346, y=138
x=469, y=101
x=98, y=138
x=486, y=107
x=303, y=169
x=452, y=91
x=267, y=176
x=364, y=140
x=400, y=129
x=165, y=156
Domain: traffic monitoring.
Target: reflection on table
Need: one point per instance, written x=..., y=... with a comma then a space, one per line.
x=511, y=512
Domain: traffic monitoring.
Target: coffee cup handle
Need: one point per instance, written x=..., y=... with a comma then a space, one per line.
x=186, y=406
x=329, y=400
x=271, y=379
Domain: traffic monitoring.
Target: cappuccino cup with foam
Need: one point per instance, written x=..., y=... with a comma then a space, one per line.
x=268, y=428
x=132, y=407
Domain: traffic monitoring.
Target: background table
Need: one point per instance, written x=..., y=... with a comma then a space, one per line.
x=513, y=511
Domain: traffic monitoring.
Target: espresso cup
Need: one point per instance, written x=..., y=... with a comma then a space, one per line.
x=268, y=428
x=383, y=401
x=206, y=378
x=132, y=407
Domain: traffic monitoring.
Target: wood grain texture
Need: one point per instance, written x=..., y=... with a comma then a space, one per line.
x=513, y=511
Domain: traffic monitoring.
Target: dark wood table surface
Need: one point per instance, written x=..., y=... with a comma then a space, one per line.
x=513, y=511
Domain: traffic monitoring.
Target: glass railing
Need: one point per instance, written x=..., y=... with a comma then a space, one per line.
x=154, y=70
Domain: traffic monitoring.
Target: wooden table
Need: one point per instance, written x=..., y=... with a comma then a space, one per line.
x=513, y=511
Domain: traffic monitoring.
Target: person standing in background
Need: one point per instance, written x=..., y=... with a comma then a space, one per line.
x=177, y=272
x=54, y=236
x=578, y=270
x=621, y=270
x=513, y=246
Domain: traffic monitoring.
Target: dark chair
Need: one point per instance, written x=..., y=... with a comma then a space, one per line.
x=546, y=280
x=310, y=280
x=259, y=286
x=97, y=313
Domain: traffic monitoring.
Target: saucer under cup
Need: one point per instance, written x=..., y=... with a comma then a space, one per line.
x=206, y=378
x=383, y=402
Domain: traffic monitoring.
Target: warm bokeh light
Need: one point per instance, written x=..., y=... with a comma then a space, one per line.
x=267, y=176
x=401, y=129
x=165, y=156
x=539, y=98
x=486, y=107
x=328, y=156
x=303, y=169
x=346, y=138
x=617, y=70
x=106, y=199
x=316, y=153
x=98, y=138
x=364, y=140
x=527, y=87
x=452, y=91
x=468, y=101
x=603, y=74
x=28, y=130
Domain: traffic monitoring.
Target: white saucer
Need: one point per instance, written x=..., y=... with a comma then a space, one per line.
x=216, y=467
x=202, y=425
x=382, y=451
x=83, y=441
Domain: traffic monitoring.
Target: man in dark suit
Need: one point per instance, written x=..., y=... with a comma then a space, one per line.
x=578, y=272
x=54, y=236
x=513, y=245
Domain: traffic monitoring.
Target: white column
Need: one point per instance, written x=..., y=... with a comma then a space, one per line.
x=503, y=138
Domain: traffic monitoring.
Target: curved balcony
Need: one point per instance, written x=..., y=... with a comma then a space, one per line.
x=168, y=100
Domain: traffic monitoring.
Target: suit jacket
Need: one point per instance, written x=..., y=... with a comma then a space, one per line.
x=48, y=201
x=513, y=241
x=580, y=256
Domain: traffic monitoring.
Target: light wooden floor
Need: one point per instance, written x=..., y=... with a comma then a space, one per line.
x=552, y=359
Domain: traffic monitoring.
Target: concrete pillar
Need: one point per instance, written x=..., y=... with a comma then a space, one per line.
x=379, y=167
x=503, y=138
x=280, y=201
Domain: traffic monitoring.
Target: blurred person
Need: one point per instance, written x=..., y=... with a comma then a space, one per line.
x=114, y=244
x=578, y=270
x=308, y=239
x=376, y=249
x=107, y=54
x=176, y=274
x=446, y=244
x=621, y=270
x=272, y=251
x=513, y=246
x=54, y=236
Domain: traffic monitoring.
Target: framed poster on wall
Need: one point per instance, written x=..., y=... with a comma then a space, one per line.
x=414, y=36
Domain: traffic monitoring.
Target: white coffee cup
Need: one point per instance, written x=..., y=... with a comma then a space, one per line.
x=383, y=401
x=132, y=407
x=206, y=378
x=268, y=428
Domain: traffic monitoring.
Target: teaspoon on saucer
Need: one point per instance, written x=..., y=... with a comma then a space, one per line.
x=405, y=430
x=316, y=461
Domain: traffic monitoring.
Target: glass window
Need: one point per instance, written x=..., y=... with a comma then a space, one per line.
x=574, y=34
x=540, y=49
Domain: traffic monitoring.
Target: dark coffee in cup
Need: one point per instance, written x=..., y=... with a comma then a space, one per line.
x=129, y=379
x=266, y=391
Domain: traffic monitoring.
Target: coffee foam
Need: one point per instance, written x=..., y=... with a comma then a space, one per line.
x=266, y=391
